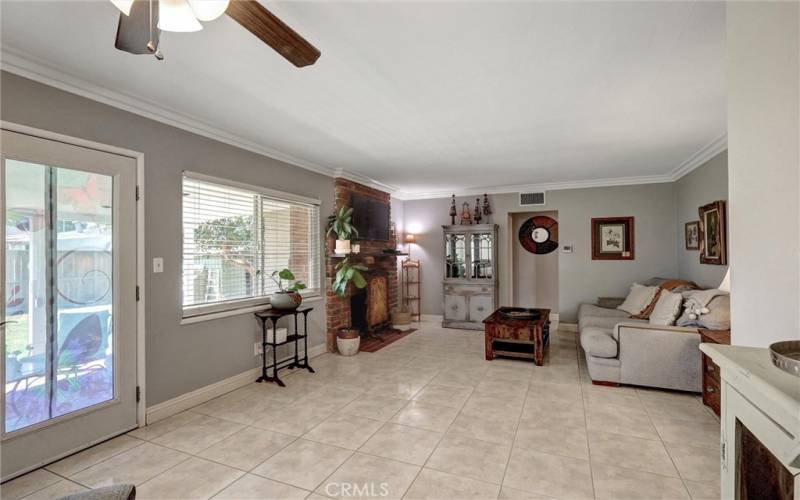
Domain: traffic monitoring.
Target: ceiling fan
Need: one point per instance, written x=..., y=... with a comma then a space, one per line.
x=142, y=21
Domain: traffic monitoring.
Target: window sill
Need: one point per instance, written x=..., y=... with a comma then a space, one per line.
x=237, y=311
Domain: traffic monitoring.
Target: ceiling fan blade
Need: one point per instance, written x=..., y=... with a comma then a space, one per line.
x=133, y=31
x=274, y=32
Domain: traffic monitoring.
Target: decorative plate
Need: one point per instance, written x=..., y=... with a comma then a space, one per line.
x=539, y=235
x=520, y=313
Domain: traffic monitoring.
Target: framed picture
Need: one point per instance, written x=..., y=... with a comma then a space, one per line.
x=612, y=238
x=713, y=233
x=692, y=235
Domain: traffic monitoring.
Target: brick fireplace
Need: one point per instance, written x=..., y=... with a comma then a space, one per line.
x=371, y=255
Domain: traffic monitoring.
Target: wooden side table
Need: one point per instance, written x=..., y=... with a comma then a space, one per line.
x=296, y=362
x=711, y=378
x=532, y=335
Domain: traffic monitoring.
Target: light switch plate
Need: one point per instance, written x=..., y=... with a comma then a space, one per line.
x=158, y=265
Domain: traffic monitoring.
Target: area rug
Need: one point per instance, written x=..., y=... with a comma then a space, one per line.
x=379, y=340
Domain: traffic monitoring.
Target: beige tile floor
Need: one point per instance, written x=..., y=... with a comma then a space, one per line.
x=425, y=418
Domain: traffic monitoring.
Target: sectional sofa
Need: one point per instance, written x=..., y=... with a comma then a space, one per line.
x=621, y=350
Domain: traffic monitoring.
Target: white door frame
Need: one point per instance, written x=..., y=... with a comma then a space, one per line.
x=141, y=406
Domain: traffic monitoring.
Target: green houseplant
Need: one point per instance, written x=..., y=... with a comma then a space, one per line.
x=348, y=339
x=341, y=223
x=288, y=295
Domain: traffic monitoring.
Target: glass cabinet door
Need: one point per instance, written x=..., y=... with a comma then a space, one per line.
x=455, y=255
x=482, y=262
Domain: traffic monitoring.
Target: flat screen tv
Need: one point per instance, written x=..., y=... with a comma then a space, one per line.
x=371, y=218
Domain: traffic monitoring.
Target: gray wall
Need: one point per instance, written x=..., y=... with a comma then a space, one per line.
x=179, y=358
x=764, y=156
x=534, y=278
x=580, y=278
x=707, y=183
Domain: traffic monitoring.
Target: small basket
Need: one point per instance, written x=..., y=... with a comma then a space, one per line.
x=281, y=337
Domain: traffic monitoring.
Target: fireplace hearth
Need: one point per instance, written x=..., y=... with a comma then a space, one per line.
x=358, y=311
x=368, y=309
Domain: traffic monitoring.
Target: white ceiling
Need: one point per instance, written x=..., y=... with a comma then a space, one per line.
x=426, y=97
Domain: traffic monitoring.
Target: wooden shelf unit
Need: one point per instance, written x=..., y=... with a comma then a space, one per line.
x=412, y=293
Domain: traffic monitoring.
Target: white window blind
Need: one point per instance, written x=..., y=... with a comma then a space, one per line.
x=234, y=238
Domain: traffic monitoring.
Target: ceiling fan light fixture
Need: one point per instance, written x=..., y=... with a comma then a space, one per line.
x=208, y=10
x=177, y=16
x=123, y=5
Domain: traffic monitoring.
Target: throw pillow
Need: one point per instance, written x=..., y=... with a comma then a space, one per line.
x=719, y=314
x=667, y=308
x=638, y=299
x=645, y=314
x=678, y=286
x=715, y=316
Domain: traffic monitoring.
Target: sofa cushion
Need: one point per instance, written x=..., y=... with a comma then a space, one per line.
x=638, y=299
x=605, y=321
x=600, y=312
x=590, y=314
x=610, y=302
x=667, y=308
x=599, y=342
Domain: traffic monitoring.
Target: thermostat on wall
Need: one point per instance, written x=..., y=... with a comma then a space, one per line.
x=566, y=248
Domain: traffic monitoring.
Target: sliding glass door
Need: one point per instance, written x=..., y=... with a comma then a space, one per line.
x=69, y=293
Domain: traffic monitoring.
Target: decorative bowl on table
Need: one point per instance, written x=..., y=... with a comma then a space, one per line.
x=786, y=356
x=520, y=313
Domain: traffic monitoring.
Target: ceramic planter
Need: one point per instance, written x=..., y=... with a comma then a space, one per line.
x=286, y=300
x=348, y=341
x=342, y=247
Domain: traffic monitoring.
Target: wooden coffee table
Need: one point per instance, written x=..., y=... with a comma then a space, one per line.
x=525, y=333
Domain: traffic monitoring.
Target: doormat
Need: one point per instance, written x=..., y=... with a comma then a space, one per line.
x=379, y=340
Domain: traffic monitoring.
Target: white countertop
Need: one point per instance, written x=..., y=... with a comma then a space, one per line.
x=751, y=372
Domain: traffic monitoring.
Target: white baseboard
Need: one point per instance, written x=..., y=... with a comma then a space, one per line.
x=433, y=318
x=554, y=322
x=569, y=327
x=183, y=402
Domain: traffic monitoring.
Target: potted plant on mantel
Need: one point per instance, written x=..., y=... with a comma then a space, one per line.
x=341, y=223
x=287, y=297
x=348, y=339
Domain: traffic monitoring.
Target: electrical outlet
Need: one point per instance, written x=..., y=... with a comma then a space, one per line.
x=258, y=349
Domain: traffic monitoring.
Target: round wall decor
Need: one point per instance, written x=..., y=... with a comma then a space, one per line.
x=539, y=235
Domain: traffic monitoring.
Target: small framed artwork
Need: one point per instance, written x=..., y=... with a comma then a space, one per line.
x=612, y=238
x=692, y=235
x=713, y=233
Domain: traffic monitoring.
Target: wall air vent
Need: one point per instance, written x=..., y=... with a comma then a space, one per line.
x=531, y=199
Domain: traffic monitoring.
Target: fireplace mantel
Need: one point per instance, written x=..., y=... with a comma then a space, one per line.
x=765, y=400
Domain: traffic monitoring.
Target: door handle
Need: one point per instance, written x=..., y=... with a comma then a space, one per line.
x=8, y=322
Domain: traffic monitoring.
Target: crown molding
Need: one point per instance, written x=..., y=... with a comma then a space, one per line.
x=698, y=158
x=22, y=64
x=704, y=154
x=367, y=181
x=19, y=63
x=545, y=186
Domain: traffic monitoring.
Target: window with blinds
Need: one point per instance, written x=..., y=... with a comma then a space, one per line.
x=235, y=237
